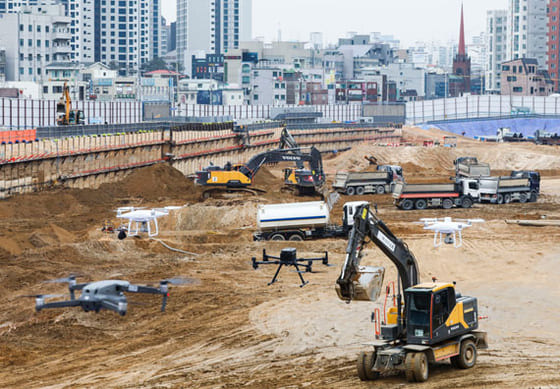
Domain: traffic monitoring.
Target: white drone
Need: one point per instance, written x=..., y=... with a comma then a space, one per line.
x=143, y=219
x=448, y=227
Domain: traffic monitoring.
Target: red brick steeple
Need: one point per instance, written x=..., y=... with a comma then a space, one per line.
x=462, y=63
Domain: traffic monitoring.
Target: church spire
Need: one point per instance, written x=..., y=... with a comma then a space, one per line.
x=462, y=36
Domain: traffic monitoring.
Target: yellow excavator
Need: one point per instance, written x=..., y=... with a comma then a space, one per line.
x=66, y=116
x=434, y=322
x=240, y=177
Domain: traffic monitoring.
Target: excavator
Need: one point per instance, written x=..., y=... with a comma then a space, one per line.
x=433, y=323
x=240, y=177
x=64, y=114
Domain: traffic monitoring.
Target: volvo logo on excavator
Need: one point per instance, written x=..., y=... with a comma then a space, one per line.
x=291, y=158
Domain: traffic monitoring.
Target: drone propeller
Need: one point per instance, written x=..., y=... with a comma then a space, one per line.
x=180, y=281
x=43, y=296
x=70, y=279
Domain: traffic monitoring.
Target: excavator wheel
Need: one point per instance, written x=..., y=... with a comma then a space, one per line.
x=366, y=361
x=467, y=356
x=416, y=365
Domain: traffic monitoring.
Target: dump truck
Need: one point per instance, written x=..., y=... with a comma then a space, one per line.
x=439, y=195
x=470, y=167
x=300, y=221
x=503, y=190
x=359, y=183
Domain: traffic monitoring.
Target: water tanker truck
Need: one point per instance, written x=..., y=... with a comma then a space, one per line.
x=299, y=221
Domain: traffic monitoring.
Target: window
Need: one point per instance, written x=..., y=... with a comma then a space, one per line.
x=45, y=89
x=30, y=28
x=21, y=27
x=38, y=28
x=255, y=97
x=518, y=89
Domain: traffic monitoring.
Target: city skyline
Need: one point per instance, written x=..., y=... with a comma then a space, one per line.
x=339, y=18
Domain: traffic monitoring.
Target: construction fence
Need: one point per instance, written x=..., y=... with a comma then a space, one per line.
x=478, y=107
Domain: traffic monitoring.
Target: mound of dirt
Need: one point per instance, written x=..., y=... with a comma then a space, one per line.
x=265, y=179
x=155, y=183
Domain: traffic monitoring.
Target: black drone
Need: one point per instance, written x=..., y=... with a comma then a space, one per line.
x=288, y=257
x=107, y=294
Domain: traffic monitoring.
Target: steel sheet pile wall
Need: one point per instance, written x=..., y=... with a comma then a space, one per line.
x=88, y=161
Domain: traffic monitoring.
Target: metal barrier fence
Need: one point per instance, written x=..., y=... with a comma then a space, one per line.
x=480, y=107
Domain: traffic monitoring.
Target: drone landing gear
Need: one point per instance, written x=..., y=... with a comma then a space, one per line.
x=288, y=257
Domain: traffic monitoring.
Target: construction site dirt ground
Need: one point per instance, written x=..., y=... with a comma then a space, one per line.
x=227, y=328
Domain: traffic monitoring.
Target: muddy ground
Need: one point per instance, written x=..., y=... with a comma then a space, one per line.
x=229, y=329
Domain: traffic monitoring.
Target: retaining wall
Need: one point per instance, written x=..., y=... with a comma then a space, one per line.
x=90, y=160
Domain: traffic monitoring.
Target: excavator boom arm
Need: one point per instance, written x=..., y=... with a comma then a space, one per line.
x=367, y=225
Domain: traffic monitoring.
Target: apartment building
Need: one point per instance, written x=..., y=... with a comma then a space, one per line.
x=211, y=26
x=496, y=42
x=40, y=35
x=527, y=30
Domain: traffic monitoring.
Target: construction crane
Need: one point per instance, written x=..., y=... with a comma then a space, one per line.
x=432, y=324
x=64, y=114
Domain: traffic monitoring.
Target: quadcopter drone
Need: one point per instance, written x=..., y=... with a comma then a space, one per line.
x=143, y=219
x=288, y=257
x=449, y=228
x=107, y=294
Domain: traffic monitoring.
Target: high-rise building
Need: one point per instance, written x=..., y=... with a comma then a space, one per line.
x=40, y=35
x=121, y=33
x=13, y=6
x=211, y=27
x=553, y=52
x=527, y=30
x=496, y=39
x=172, y=37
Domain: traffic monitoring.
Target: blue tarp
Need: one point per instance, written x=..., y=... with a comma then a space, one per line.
x=477, y=128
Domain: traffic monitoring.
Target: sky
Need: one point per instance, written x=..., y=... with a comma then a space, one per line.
x=407, y=20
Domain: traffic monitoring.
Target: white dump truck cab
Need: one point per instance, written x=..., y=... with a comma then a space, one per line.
x=349, y=211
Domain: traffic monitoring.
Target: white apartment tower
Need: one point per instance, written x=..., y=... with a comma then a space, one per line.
x=211, y=27
x=38, y=35
x=496, y=41
x=527, y=30
x=121, y=33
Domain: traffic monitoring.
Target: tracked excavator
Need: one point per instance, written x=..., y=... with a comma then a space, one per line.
x=66, y=116
x=430, y=322
x=240, y=177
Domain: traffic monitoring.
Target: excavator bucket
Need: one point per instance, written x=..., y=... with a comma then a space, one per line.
x=367, y=284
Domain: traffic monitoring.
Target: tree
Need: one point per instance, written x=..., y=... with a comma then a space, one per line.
x=155, y=64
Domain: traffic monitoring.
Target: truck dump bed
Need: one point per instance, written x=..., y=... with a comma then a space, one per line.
x=292, y=215
x=473, y=170
x=342, y=179
x=403, y=189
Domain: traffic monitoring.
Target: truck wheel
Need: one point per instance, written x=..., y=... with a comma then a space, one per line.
x=366, y=361
x=523, y=198
x=407, y=205
x=500, y=199
x=277, y=237
x=447, y=203
x=350, y=191
x=466, y=203
x=421, y=204
x=533, y=198
x=380, y=189
x=360, y=190
x=507, y=198
x=296, y=238
x=467, y=356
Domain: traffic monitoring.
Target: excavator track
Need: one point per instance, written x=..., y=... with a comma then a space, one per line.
x=216, y=192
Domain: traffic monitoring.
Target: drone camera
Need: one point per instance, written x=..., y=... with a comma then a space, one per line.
x=164, y=287
x=122, y=306
x=39, y=302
